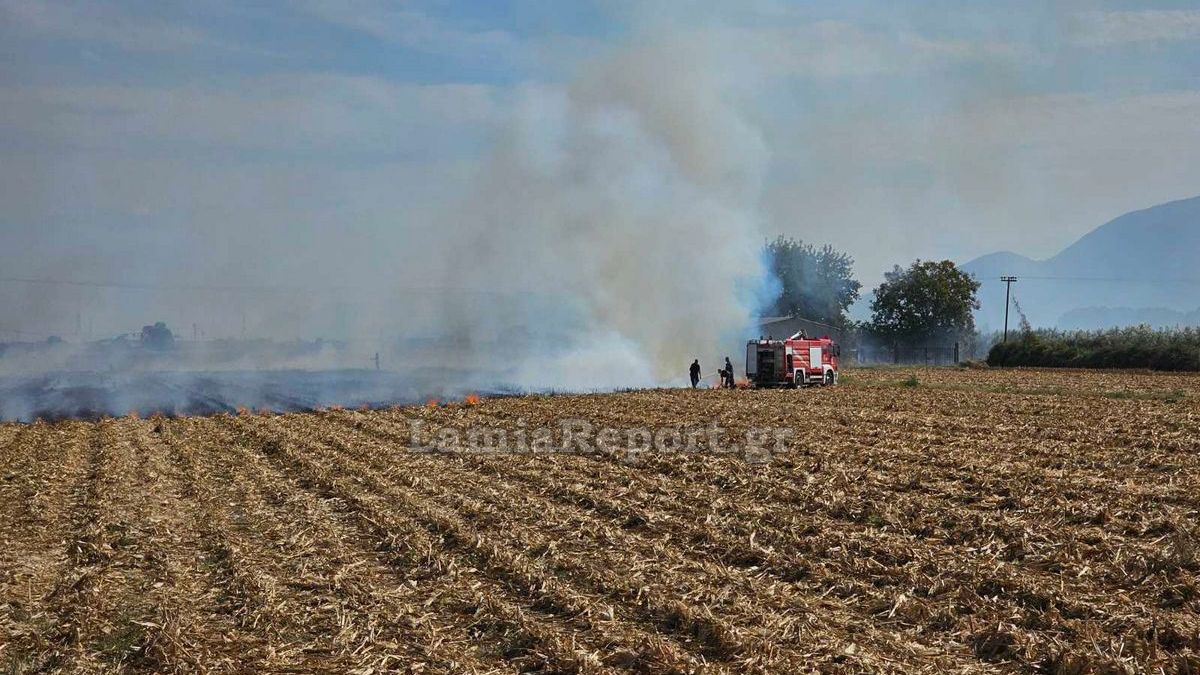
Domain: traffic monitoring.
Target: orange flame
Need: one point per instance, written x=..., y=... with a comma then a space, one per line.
x=432, y=403
x=471, y=399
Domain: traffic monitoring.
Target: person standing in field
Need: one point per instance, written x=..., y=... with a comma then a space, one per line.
x=728, y=373
x=695, y=373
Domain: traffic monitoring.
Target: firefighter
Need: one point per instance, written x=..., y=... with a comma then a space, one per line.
x=694, y=371
x=728, y=373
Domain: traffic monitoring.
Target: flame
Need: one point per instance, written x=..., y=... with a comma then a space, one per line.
x=471, y=399
x=432, y=403
x=742, y=383
x=243, y=410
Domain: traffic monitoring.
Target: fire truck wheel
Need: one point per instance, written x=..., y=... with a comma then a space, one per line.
x=830, y=379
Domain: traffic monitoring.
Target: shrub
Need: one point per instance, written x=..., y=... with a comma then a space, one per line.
x=1136, y=347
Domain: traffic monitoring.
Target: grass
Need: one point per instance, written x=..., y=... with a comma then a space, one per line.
x=123, y=643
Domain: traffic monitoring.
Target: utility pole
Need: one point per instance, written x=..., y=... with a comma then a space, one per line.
x=1008, y=282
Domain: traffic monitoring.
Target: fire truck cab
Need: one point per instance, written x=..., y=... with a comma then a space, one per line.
x=798, y=361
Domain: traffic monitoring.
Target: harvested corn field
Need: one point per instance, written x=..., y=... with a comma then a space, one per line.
x=907, y=521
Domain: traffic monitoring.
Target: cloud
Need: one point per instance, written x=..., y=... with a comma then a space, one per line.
x=103, y=23
x=828, y=50
x=300, y=114
x=1100, y=29
x=889, y=132
x=254, y=163
x=1019, y=172
x=410, y=27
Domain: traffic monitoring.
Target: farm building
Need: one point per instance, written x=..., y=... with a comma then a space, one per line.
x=783, y=326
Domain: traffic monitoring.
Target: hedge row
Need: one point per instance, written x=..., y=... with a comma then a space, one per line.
x=1140, y=347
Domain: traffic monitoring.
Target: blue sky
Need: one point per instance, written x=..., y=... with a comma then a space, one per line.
x=339, y=134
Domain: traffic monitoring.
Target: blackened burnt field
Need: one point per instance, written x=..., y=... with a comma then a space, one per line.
x=918, y=521
x=93, y=395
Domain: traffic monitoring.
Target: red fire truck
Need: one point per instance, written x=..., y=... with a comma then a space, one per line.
x=795, y=362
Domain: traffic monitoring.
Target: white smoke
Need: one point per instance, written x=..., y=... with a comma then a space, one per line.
x=630, y=195
x=610, y=234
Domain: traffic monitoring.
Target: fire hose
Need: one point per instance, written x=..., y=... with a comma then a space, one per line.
x=687, y=378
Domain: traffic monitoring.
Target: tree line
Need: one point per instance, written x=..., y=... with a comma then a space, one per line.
x=926, y=302
x=932, y=303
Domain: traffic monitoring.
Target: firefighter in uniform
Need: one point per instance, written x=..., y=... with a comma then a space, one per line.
x=728, y=373
x=694, y=371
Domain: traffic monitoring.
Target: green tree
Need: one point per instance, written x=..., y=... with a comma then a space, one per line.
x=814, y=283
x=929, y=301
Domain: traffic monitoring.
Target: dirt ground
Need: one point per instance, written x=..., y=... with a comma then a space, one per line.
x=910, y=520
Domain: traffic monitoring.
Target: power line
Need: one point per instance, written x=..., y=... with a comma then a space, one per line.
x=1128, y=280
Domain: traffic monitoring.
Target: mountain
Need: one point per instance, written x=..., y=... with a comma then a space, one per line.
x=1156, y=317
x=1144, y=263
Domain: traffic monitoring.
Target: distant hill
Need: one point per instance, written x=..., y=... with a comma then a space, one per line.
x=1142, y=265
x=1156, y=317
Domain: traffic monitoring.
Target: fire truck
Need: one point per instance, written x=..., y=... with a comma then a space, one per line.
x=798, y=361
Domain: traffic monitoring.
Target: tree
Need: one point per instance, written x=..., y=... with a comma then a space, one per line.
x=814, y=283
x=158, y=336
x=929, y=301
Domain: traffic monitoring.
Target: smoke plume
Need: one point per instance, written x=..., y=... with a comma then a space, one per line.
x=609, y=236
x=629, y=197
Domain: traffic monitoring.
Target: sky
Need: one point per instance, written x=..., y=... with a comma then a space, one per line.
x=349, y=143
